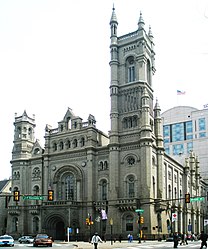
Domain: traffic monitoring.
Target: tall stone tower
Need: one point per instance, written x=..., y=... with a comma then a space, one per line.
x=133, y=144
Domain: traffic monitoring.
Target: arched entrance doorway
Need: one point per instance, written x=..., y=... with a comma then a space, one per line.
x=54, y=226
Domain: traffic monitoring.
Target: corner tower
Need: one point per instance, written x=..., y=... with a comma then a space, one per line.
x=24, y=138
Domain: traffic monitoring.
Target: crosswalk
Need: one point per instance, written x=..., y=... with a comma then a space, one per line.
x=146, y=245
x=163, y=245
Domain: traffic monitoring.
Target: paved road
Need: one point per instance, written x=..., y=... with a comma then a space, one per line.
x=117, y=245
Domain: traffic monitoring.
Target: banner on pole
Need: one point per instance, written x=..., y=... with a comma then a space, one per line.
x=174, y=217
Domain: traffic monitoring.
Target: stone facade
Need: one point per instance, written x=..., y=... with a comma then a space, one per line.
x=100, y=181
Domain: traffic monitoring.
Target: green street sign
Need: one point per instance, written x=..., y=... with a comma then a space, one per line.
x=139, y=211
x=33, y=197
x=197, y=199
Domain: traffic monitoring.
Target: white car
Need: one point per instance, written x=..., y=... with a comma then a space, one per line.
x=6, y=240
x=26, y=239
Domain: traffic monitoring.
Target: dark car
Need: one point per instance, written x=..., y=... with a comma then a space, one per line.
x=26, y=239
x=42, y=240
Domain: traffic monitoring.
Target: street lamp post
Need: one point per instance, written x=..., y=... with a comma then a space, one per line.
x=111, y=224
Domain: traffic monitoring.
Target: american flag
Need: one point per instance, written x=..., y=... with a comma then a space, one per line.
x=180, y=92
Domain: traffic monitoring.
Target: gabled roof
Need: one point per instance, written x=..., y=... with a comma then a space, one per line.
x=3, y=185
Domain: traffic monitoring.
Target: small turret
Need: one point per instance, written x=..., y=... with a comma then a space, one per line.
x=141, y=22
x=113, y=25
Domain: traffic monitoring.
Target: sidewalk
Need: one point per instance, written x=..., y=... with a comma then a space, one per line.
x=105, y=245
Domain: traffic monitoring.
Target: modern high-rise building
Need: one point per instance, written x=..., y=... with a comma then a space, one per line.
x=84, y=181
x=185, y=129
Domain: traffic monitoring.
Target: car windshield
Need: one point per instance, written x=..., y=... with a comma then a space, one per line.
x=6, y=237
x=42, y=236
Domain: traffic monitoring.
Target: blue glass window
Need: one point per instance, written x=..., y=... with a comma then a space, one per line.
x=178, y=149
x=202, y=134
x=166, y=140
x=166, y=131
x=167, y=150
x=178, y=132
x=189, y=127
x=188, y=137
x=202, y=124
x=189, y=147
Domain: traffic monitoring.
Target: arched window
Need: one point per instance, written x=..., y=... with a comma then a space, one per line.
x=130, y=186
x=54, y=146
x=148, y=72
x=68, y=144
x=103, y=190
x=82, y=142
x=35, y=225
x=15, y=224
x=130, y=66
x=36, y=190
x=169, y=192
x=154, y=190
x=70, y=187
x=75, y=143
x=101, y=165
x=129, y=223
x=175, y=193
x=61, y=145
x=18, y=132
x=105, y=165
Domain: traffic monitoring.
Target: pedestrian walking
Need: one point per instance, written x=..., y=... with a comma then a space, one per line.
x=183, y=239
x=186, y=238
x=175, y=240
x=95, y=240
x=203, y=238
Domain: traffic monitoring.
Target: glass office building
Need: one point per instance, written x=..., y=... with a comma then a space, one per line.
x=185, y=129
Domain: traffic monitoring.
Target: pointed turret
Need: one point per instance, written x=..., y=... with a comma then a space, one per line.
x=113, y=25
x=141, y=22
x=158, y=125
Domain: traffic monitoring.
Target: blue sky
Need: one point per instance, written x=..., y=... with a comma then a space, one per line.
x=55, y=54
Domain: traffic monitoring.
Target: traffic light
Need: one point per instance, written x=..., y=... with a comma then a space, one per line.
x=50, y=195
x=87, y=221
x=141, y=219
x=16, y=195
x=90, y=220
x=187, y=198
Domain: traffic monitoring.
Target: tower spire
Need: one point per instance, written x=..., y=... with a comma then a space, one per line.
x=141, y=22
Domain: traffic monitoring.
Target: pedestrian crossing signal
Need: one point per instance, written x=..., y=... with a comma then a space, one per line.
x=187, y=198
x=50, y=195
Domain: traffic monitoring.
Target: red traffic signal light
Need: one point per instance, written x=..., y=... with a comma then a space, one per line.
x=16, y=195
x=50, y=195
x=187, y=198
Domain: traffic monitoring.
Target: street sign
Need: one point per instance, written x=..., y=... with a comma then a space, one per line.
x=33, y=197
x=141, y=211
x=197, y=199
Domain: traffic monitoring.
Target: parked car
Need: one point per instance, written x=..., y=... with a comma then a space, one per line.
x=6, y=240
x=26, y=239
x=43, y=240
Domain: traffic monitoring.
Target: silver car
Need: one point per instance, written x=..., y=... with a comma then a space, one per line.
x=26, y=239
